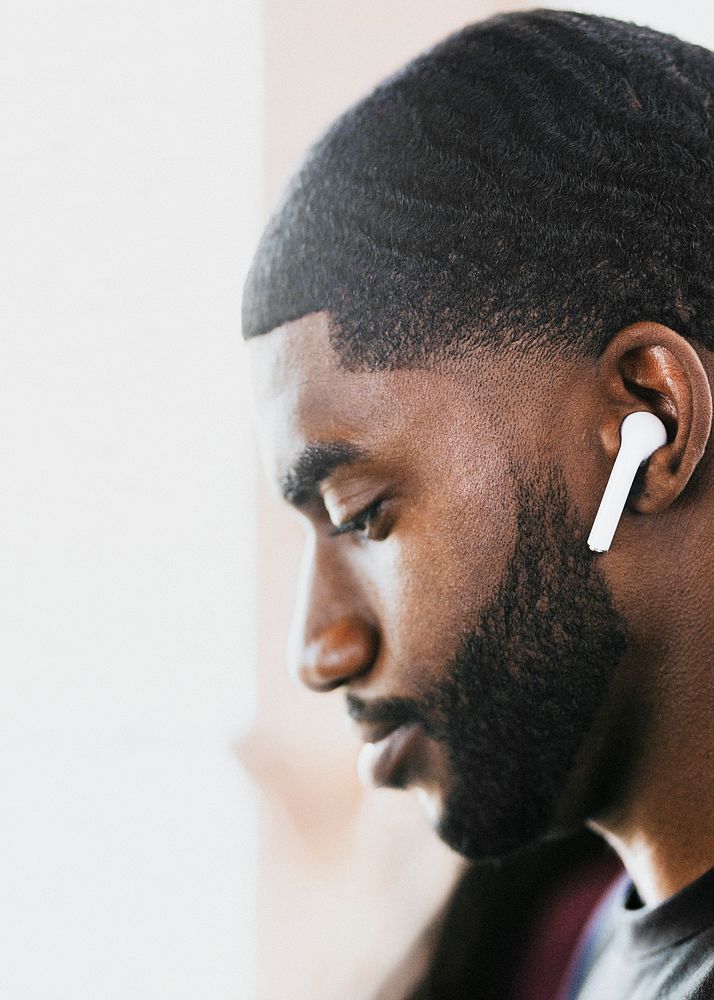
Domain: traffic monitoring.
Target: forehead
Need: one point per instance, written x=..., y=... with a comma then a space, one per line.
x=303, y=395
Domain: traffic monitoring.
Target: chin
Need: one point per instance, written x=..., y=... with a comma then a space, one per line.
x=471, y=835
x=483, y=837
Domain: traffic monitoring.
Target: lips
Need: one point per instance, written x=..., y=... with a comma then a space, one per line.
x=384, y=762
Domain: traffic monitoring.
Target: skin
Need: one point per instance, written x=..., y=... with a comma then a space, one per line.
x=468, y=455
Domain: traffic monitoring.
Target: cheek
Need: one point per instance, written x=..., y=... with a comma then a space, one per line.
x=439, y=570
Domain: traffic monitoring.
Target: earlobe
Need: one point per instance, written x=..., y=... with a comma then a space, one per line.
x=650, y=366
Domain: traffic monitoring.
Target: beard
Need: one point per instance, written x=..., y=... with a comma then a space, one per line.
x=520, y=695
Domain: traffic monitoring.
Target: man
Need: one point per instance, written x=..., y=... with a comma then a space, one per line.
x=475, y=275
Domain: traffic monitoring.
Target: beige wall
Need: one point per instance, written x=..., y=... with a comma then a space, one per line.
x=348, y=877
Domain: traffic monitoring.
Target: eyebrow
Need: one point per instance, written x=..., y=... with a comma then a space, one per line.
x=314, y=464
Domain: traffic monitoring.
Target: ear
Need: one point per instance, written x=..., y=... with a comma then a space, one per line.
x=648, y=366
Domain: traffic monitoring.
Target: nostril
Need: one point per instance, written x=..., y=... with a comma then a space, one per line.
x=338, y=654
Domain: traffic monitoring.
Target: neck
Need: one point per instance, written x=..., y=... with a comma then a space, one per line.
x=658, y=869
x=663, y=825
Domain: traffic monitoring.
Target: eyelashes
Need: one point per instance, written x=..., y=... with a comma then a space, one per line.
x=365, y=524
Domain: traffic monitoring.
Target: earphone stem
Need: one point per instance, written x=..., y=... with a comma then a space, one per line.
x=613, y=501
x=641, y=434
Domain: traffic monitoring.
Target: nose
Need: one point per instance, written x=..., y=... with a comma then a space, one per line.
x=332, y=638
x=339, y=653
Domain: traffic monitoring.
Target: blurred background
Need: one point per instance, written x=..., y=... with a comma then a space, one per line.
x=179, y=819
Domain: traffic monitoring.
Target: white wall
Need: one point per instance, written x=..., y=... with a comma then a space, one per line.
x=690, y=19
x=129, y=197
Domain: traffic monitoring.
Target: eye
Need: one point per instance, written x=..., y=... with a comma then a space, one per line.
x=364, y=525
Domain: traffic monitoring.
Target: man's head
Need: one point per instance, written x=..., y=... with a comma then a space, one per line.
x=537, y=177
x=475, y=275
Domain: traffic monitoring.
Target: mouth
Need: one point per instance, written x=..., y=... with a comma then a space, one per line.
x=390, y=728
x=384, y=760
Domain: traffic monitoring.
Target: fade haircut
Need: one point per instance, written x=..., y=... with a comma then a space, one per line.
x=540, y=178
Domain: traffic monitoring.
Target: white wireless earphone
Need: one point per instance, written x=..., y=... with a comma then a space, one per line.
x=641, y=434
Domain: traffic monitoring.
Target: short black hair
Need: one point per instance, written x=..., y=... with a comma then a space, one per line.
x=538, y=178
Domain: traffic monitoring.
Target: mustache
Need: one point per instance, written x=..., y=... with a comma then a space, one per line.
x=390, y=712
